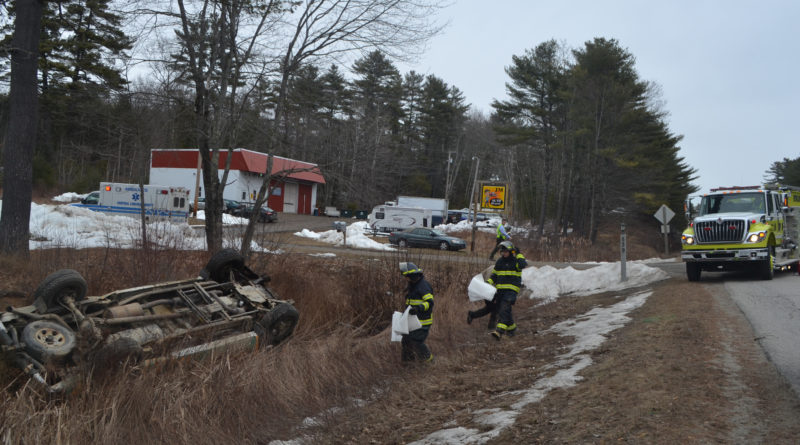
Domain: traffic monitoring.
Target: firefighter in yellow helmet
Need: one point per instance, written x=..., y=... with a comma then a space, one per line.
x=419, y=296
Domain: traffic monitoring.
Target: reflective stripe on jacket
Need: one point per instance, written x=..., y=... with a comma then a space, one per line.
x=507, y=273
x=420, y=296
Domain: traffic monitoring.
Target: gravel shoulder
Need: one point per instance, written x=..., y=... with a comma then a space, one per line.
x=685, y=369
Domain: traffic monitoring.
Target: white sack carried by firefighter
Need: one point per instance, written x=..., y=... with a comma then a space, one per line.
x=403, y=323
x=396, y=326
x=479, y=289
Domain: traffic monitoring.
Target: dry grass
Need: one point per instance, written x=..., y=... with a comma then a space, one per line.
x=340, y=352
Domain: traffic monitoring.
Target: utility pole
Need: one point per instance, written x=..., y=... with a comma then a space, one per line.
x=475, y=201
x=447, y=176
x=197, y=183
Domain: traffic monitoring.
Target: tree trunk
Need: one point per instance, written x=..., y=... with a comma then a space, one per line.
x=263, y=193
x=21, y=136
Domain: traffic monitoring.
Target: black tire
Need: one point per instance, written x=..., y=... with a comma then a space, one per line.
x=220, y=265
x=444, y=246
x=767, y=268
x=693, y=271
x=47, y=341
x=52, y=291
x=279, y=323
x=402, y=243
x=117, y=352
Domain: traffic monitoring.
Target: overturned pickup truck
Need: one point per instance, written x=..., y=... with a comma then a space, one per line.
x=228, y=307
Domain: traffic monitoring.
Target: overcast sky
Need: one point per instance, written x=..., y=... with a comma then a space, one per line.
x=729, y=70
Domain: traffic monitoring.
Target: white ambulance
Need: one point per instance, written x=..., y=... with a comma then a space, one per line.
x=160, y=202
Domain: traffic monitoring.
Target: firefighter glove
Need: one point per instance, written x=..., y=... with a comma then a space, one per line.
x=413, y=310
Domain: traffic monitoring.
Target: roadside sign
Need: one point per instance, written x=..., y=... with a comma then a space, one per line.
x=494, y=197
x=664, y=214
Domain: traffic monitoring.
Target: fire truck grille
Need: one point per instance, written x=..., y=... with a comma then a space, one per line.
x=721, y=231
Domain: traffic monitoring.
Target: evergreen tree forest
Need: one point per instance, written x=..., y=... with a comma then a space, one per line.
x=578, y=137
x=784, y=172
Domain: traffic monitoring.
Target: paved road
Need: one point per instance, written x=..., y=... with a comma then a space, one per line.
x=771, y=307
x=290, y=222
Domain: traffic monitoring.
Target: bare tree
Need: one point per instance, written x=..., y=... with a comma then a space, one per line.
x=325, y=29
x=227, y=50
x=217, y=43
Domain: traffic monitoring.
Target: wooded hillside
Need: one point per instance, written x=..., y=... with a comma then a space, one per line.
x=579, y=136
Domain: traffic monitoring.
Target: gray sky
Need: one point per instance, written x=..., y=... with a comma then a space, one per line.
x=729, y=70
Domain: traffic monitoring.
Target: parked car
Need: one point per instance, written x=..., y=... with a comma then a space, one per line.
x=92, y=198
x=454, y=216
x=230, y=205
x=422, y=237
x=266, y=214
x=201, y=204
x=228, y=307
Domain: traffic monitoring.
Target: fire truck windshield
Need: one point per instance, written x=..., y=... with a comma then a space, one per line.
x=733, y=203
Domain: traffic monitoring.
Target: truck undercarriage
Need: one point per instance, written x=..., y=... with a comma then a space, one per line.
x=228, y=307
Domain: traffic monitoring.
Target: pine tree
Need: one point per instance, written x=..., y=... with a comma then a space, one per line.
x=377, y=93
x=785, y=172
x=533, y=121
x=442, y=117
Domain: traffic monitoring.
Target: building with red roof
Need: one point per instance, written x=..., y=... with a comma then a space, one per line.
x=294, y=182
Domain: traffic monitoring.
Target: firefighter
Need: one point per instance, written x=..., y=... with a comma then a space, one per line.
x=419, y=296
x=507, y=279
x=502, y=235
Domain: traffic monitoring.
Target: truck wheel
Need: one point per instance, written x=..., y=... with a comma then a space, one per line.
x=220, y=265
x=402, y=244
x=767, y=268
x=444, y=246
x=279, y=323
x=117, y=352
x=51, y=293
x=48, y=342
x=693, y=271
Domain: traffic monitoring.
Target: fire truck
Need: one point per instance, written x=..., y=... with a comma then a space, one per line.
x=736, y=228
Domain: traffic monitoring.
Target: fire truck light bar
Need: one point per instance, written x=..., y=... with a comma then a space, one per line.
x=749, y=187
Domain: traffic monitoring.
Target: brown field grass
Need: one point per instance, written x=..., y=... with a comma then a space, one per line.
x=340, y=352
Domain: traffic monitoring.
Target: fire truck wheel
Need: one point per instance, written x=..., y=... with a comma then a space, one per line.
x=767, y=267
x=693, y=271
x=55, y=288
x=47, y=341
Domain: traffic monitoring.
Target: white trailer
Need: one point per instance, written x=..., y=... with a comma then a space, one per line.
x=160, y=202
x=385, y=219
x=437, y=206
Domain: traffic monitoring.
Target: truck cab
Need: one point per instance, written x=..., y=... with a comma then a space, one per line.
x=92, y=198
x=740, y=227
